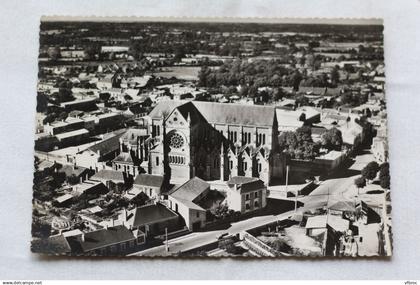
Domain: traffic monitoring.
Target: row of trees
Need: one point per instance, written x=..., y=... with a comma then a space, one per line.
x=299, y=144
x=370, y=172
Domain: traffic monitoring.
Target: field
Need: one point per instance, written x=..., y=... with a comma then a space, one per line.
x=180, y=72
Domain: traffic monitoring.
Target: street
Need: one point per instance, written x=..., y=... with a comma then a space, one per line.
x=198, y=239
x=338, y=187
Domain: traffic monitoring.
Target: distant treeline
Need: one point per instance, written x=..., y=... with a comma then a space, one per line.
x=132, y=27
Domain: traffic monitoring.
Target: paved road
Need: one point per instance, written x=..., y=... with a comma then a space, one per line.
x=336, y=187
x=198, y=239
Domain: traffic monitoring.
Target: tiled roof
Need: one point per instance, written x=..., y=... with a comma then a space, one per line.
x=106, y=174
x=237, y=114
x=70, y=170
x=149, y=180
x=164, y=108
x=52, y=245
x=106, y=237
x=107, y=145
x=149, y=215
x=239, y=180
x=246, y=184
x=123, y=158
x=190, y=189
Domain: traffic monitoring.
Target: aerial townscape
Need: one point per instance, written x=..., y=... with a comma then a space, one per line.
x=211, y=139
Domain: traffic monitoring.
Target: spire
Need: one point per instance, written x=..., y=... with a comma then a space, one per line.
x=189, y=119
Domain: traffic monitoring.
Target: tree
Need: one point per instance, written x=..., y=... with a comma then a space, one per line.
x=384, y=177
x=370, y=170
x=221, y=211
x=203, y=76
x=64, y=95
x=360, y=182
x=104, y=96
x=299, y=144
x=295, y=80
x=301, y=101
x=41, y=102
x=281, y=246
x=335, y=76
x=332, y=139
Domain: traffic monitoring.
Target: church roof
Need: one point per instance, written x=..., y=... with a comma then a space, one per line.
x=237, y=114
x=219, y=113
x=164, y=108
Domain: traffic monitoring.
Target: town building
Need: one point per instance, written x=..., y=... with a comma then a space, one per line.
x=150, y=219
x=246, y=194
x=117, y=240
x=185, y=199
x=151, y=185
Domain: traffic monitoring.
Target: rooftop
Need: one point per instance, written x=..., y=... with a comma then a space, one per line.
x=72, y=134
x=106, y=237
x=190, y=189
x=238, y=114
x=336, y=222
x=51, y=245
x=106, y=174
x=148, y=180
x=245, y=184
x=107, y=145
x=123, y=157
x=149, y=214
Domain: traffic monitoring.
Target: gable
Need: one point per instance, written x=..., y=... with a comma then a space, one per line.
x=176, y=119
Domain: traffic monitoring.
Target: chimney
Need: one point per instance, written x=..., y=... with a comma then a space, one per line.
x=83, y=237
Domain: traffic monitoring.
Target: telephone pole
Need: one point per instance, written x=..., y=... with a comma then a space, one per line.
x=166, y=239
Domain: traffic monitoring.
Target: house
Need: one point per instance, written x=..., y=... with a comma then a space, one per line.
x=54, y=245
x=64, y=200
x=150, y=219
x=151, y=185
x=95, y=156
x=317, y=224
x=73, y=137
x=246, y=194
x=79, y=172
x=58, y=127
x=117, y=240
x=327, y=229
x=82, y=104
x=124, y=162
x=330, y=160
x=89, y=187
x=114, y=180
x=380, y=149
x=184, y=199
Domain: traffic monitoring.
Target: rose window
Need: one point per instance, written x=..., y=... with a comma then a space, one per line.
x=176, y=141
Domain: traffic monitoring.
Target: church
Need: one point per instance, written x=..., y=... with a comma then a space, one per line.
x=213, y=141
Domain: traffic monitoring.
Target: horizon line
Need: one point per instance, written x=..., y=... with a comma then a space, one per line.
x=239, y=20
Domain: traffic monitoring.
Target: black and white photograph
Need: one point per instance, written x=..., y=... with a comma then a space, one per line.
x=211, y=138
